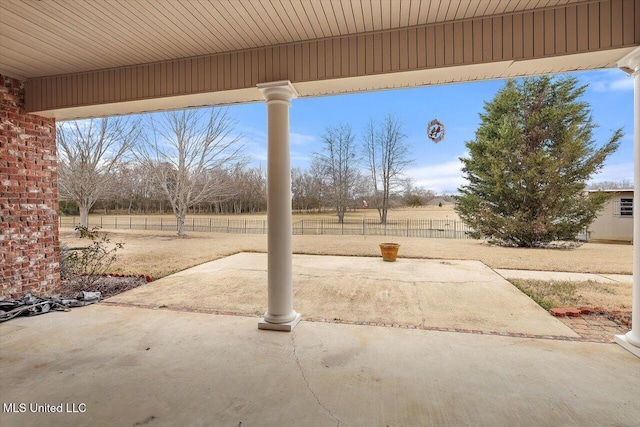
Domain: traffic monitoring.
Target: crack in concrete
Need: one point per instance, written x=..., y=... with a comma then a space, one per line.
x=420, y=307
x=306, y=382
x=610, y=280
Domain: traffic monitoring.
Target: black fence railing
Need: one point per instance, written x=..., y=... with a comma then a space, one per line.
x=437, y=228
x=434, y=228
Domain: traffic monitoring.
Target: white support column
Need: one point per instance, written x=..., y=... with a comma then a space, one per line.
x=631, y=340
x=280, y=314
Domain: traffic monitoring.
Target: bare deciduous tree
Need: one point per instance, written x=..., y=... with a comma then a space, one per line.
x=89, y=150
x=190, y=155
x=133, y=188
x=299, y=199
x=612, y=185
x=337, y=160
x=387, y=155
x=316, y=186
x=415, y=196
x=307, y=187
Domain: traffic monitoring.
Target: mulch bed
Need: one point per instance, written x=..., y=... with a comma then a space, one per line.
x=108, y=285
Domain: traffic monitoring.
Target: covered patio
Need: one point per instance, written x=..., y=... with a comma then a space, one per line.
x=64, y=60
x=59, y=61
x=460, y=346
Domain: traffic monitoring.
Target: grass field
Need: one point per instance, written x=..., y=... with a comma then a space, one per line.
x=159, y=253
x=421, y=213
x=562, y=294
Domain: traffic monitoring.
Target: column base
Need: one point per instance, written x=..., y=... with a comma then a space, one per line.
x=622, y=341
x=285, y=327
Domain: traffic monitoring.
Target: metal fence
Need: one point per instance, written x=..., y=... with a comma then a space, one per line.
x=439, y=228
x=436, y=228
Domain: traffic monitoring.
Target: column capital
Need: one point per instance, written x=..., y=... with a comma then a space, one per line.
x=630, y=63
x=281, y=91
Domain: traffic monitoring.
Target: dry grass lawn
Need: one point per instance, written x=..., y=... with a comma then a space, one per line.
x=160, y=253
x=562, y=294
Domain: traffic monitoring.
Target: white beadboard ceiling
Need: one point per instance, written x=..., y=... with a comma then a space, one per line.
x=51, y=37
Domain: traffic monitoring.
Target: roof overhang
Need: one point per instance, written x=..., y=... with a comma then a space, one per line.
x=85, y=59
x=399, y=80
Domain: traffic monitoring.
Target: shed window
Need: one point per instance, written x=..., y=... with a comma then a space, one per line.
x=626, y=207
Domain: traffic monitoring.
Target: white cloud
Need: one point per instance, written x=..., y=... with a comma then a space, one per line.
x=615, y=173
x=295, y=138
x=252, y=133
x=610, y=80
x=256, y=151
x=447, y=177
x=443, y=177
x=255, y=145
x=300, y=138
x=625, y=83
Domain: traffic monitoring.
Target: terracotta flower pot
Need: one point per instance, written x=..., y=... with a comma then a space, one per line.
x=389, y=251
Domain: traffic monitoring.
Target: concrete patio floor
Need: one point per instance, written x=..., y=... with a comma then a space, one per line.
x=145, y=357
x=465, y=295
x=129, y=366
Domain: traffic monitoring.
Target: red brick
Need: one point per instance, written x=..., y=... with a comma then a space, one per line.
x=28, y=229
x=572, y=312
x=558, y=312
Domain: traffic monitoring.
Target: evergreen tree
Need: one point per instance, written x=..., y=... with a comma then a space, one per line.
x=529, y=163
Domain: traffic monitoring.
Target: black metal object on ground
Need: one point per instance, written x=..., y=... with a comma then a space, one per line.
x=30, y=305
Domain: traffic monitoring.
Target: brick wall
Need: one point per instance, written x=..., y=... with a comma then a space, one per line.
x=28, y=198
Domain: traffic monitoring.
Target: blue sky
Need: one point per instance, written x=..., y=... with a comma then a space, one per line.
x=436, y=166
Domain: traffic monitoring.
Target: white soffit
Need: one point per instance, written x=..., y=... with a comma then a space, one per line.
x=53, y=37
